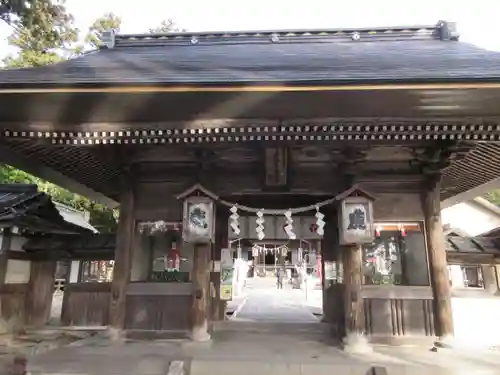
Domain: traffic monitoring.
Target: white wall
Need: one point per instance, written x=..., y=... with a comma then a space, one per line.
x=17, y=242
x=73, y=272
x=470, y=217
x=18, y=271
x=475, y=311
x=476, y=320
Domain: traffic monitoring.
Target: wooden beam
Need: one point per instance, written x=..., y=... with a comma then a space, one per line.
x=123, y=253
x=11, y=157
x=437, y=256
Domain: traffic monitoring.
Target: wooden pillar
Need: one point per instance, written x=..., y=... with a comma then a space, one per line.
x=437, y=256
x=123, y=255
x=4, y=259
x=221, y=241
x=200, y=308
x=40, y=292
x=353, y=302
x=4, y=250
x=329, y=247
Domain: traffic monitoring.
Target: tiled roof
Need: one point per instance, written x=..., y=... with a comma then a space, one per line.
x=23, y=206
x=471, y=245
x=287, y=57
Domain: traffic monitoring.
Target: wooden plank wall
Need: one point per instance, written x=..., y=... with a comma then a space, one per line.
x=86, y=304
x=153, y=312
x=158, y=306
x=40, y=292
x=398, y=310
x=13, y=301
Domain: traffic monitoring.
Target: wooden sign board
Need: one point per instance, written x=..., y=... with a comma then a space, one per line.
x=226, y=275
x=198, y=220
x=356, y=221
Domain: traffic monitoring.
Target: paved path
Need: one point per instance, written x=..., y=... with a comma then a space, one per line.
x=266, y=303
x=273, y=333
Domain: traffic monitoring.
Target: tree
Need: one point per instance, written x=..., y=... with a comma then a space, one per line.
x=33, y=13
x=493, y=197
x=44, y=38
x=107, y=22
x=167, y=26
x=100, y=217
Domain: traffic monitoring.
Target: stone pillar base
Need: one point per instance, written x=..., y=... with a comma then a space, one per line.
x=447, y=342
x=355, y=343
x=200, y=333
x=115, y=334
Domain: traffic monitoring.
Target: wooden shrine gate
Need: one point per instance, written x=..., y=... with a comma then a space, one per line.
x=270, y=126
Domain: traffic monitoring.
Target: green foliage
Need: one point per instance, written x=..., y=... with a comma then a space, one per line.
x=107, y=22
x=43, y=37
x=38, y=15
x=493, y=197
x=167, y=26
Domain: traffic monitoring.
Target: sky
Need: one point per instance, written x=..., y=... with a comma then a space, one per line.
x=476, y=19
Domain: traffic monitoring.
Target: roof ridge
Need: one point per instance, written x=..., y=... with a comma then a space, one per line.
x=442, y=31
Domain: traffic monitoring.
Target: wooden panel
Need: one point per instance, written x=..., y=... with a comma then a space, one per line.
x=390, y=207
x=157, y=201
x=399, y=317
x=160, y=289
x=155, y=312
x=86, y=304
x=306, y=225
x=13, y=298
x=415, y=312
x=396, y=292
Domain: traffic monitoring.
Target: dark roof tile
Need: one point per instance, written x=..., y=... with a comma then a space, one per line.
x=218, y=59
x=23, y=206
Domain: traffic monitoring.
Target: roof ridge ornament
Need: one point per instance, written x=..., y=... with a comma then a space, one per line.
x=281, y=35
x=108, y=39
x=448, y=31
